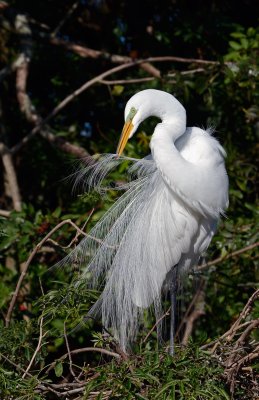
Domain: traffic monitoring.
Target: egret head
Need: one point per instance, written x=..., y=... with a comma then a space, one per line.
x=147, y=103
x=134, y=115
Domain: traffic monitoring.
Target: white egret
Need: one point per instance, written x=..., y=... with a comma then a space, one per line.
x=157, y=230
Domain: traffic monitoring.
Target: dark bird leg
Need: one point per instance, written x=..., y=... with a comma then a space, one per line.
x=173, y=291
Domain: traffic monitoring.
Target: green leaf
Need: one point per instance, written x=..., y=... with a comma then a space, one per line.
x=234, y=45
x=58, y=369
x=245, y=43
x=117, y=90
x=237, y=35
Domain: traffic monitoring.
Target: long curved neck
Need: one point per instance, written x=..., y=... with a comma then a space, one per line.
x=173, y=116
x=193, y=183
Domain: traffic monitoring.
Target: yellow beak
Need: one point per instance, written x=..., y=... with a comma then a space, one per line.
x=127, y=129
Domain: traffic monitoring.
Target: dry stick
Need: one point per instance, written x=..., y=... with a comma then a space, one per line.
x=226, y=335
x=39, y=341
x=246, y=309
x=87, y=52
x=254, y=324
x=223, y=258
x=71, y=384
x=5, y=213
x=42, y=335
x=64, y=145
x=239, y=343
x=189, y=325
x=67, y=16
x=83, y=350
x=13, y=364
x=12, y=67
x=11, y=177
x=97, y=54
x=148, y=79
x=78, y=233
x=126, y=81
x=33, y=253
x=157, y=322
x=96, y=79
x=248, y=357
x=193, y=301
x=236, y=326
x=231, y=373
x=69, y=353
x=24, y=101
x=89, y=349
x=196, y=313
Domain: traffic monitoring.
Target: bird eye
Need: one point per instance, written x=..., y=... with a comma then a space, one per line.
x=131, y=114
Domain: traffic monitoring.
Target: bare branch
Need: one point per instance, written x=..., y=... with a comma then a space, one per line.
x=5, y=213
x=99, y=79
x=83, y=350
x=41, y=336
x=224, y=258
x=24, y=101
x=197, y=312
x=149, y=79
x=126, y=81
x=12, y=67
x=32, y=255
x=192, y=304
x=71, y=10
x=18, y=367
x=69, y=353
x=11, y=177
x=91, y=349
x=27, y=264
x=86, y=52
x=166, y=314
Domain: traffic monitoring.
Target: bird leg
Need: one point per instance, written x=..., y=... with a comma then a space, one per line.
x=173, y=290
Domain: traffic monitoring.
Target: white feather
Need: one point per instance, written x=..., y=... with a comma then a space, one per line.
x=166, y=216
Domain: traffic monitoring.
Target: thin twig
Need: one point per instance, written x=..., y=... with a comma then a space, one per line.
x=157, y=322
x=246, y=310
x=190, y=306
x=126, y=81
x=189, y=325
x=42, y=335
x=197, y=312
x=233, y=331
x=71, y=10
x=236, y=326
x=34, y=252
x=87, y=52
x=226, y=257
x=68, y=352
x=13, y=364
x=239, y=343
x=150, y=79
x=26, y=266
x=83, y=350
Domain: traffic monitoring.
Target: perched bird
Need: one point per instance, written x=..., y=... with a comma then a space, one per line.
x=165, y=219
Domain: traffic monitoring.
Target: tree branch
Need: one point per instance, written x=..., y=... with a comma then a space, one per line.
x=226, y=257
x=11, y=177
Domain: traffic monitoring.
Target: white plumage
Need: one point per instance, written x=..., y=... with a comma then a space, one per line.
x=166, y=217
